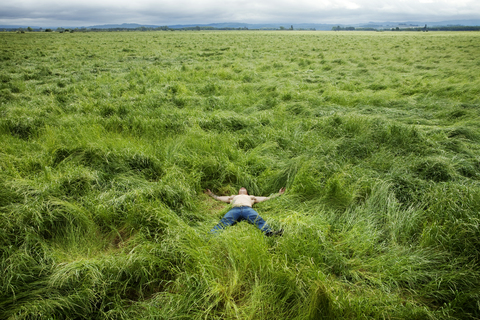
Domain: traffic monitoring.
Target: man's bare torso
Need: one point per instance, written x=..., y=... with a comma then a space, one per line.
x=242, y=200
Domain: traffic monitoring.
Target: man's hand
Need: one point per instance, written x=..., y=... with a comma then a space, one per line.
x=281, y=191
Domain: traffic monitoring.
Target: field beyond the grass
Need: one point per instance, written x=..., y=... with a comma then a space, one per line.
x=108, y=140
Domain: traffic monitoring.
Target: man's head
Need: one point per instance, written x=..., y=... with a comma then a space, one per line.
x=242, y=191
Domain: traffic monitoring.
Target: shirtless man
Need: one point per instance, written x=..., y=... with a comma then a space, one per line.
x=242, y=210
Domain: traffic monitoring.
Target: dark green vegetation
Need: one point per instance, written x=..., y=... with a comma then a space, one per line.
x=108, y=139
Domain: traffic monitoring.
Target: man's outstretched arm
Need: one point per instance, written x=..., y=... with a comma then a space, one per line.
x=261, y=199
x=226, y=199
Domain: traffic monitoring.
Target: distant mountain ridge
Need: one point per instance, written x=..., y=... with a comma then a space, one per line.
x=217, y=25
x=317, y=26
x=123, y=25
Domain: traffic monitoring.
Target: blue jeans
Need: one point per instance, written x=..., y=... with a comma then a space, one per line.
x=237, y=214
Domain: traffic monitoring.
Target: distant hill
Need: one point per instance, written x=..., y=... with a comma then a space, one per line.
x=220, y=25
x=123, y=25
x=17, y=27
x=259, y=25
x=316, y=26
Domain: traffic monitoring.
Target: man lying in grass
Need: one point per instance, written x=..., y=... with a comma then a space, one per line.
x=242, y=210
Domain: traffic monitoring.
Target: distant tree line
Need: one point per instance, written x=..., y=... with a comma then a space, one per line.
x=439, y=28
x=198, y=28
x=338, y=28
x=447, y=28
x=163, y=28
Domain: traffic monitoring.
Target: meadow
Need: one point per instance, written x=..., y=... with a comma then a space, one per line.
x=107, y=141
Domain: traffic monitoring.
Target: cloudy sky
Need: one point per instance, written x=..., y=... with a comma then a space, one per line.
x=44, y=13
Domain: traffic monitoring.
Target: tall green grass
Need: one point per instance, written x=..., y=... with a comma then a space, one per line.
x=109, y=139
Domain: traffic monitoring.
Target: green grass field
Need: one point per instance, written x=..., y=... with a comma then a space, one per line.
x=107, y=141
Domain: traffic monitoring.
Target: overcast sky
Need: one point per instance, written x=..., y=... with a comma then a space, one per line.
x=76, y=13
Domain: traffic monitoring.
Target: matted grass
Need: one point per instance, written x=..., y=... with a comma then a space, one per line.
x=107, y=141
